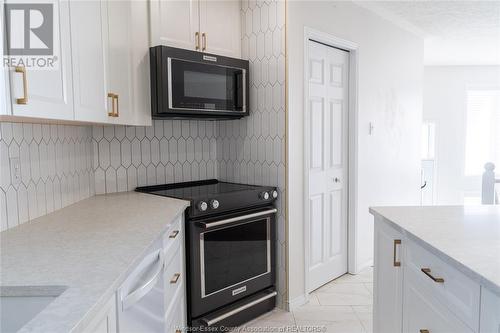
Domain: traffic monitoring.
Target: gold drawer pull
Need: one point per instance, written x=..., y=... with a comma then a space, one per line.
x=427, y=271
x=175, y=278
x=174, y=234
x=204, y=38
x=113, y=106
x=24, y=99
x=117, y=113
x=396, y=243
x=196, y=40
x=424, y=331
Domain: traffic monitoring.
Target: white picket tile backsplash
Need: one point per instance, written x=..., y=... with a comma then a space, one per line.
x=169, y=151
x=56, y=169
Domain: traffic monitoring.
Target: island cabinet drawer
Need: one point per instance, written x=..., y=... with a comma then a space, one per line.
x=490, y=312
x=424, y=313
x=173, y=239
x=450, y=287
x=173, y=277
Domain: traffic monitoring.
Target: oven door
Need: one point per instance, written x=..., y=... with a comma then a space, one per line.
x=230, y=258
x=202, y=87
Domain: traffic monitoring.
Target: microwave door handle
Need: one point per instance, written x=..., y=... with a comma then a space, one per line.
x=140, y=292
x=208, y=225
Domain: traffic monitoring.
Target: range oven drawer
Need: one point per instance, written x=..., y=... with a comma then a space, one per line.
x=230, y=258
x=239, y=312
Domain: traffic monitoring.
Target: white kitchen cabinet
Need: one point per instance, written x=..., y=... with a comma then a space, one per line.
x=456, y=291
x=139, y=48
x=212, y=26
x=119, y=58
x=88, y=47
x=175, y=277
x=103, y=71
x=127, y=61
x=388, y=279
x=175, y=23
x=105, y=320
x=110, y=60
x=220, y=27
x=490, y=312
x=5, y=106
x=423, y=313
x=44, y=93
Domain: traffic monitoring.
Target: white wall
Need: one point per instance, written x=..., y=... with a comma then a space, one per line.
x=390, y=96
x=445, y=102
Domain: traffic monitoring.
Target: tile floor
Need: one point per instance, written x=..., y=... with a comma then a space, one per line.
x=341, y=306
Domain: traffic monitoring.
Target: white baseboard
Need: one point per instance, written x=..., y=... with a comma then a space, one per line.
x=297, y=301
x=363, y=266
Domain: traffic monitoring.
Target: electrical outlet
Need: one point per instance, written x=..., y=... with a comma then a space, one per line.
x=15, y=167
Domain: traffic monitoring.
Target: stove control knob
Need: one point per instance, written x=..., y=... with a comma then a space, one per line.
x=264, y=196
x=214, y=204
x=275, y=194
x=202, y=205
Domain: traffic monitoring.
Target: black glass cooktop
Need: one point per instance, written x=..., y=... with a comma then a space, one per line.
x=195, y=190
x=214, y=197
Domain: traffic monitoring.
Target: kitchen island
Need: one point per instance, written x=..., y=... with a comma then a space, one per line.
x=74, y=259
x=437, y=269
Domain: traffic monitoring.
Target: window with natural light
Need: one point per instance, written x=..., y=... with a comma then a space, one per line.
x=483, y=130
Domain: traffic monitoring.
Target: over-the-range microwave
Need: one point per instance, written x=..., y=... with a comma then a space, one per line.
x=190, y=84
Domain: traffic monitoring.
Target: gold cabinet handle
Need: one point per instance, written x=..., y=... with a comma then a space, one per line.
x=427, y=271
x=175, y=278
x=24, y=99
x=204, y=38
x=115, y=108
x=112, y=113
x=424, y=331
x=396, y=243
x=196, y=40
x=117, y=113
x=174, y=234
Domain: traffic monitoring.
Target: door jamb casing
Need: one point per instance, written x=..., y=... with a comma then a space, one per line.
x=352, y=147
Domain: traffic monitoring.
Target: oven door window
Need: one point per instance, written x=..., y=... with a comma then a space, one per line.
x=234, y=254
x=206, y=87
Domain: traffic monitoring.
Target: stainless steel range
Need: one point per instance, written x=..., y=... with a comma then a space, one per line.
x=230, y=247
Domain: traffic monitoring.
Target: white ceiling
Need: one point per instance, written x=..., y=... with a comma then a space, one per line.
x=454, y=32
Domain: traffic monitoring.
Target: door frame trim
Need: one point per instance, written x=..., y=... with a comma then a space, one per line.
x=352, y=147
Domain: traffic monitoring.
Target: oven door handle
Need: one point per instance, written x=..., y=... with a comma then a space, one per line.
x=210, y=322
x=209, y=225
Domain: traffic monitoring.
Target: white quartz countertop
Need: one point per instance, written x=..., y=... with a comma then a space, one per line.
x=467, y=237
x=87, y=248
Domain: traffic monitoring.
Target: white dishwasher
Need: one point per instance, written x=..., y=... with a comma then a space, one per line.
x=141, y=297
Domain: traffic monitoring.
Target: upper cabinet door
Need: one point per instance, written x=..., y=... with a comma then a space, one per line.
x=220, y=27
x=44, y=92
x=88, y=40
x=175, y=23
x=119, y=59
x=5, y=106
x=127, y=61
x=140, y=63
